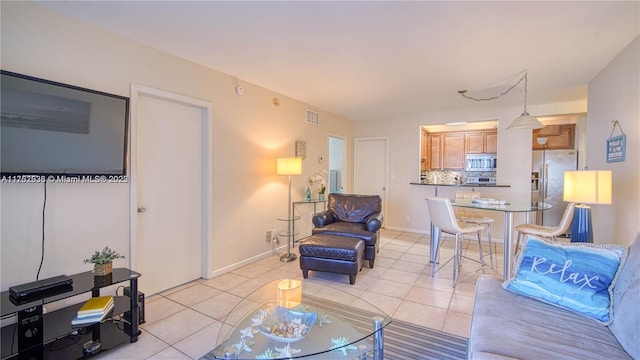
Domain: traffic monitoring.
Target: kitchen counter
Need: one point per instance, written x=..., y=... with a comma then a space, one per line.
x=461, y=185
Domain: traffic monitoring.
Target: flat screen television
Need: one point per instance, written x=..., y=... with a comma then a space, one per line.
x=48, y=128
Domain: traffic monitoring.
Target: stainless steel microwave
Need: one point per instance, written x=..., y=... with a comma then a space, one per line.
x=481, y=162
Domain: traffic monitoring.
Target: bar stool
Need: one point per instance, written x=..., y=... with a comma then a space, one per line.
x=443, y=217
x=547, y=232
x=475, y=216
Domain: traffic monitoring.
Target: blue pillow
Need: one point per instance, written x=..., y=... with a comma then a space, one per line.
x=577, y=277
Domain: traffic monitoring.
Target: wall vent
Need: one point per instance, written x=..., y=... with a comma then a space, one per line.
x=313, y=118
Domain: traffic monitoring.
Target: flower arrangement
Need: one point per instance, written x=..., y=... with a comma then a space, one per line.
x=319, y=178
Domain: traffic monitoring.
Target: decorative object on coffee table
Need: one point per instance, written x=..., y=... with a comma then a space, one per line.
x=289, y=293
x=103, y=261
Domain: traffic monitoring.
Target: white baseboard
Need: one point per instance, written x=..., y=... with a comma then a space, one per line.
x=415, y=231
x=244, y=262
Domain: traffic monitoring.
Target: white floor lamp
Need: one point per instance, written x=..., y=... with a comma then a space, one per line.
x=289, y=166
x=585, y=187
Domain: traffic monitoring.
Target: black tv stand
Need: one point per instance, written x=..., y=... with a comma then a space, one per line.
x=36, y=335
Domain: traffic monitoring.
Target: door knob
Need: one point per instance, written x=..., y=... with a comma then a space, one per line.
x=141, y=209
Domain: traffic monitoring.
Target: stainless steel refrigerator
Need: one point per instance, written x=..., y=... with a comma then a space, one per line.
x=547, y=182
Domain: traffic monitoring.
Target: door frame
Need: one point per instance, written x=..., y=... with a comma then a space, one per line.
x=206, y=107
x=386, y=166
x=344, y=158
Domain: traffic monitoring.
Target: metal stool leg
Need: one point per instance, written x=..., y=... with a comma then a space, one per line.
x=456, y=260
x=520, y=235
x=491, y=248
x=481, y=252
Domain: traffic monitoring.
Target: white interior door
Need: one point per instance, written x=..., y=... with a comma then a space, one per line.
x=170, y=192
x=337, y=164
x=370, y=168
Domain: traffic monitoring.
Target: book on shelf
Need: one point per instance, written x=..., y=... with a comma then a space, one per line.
x=92, y=318
x=96, y=305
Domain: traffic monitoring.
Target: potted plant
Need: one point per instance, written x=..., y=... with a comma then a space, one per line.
x=102, y=261
x=321, y=191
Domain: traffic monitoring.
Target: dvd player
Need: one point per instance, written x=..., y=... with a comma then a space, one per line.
x=41, y=288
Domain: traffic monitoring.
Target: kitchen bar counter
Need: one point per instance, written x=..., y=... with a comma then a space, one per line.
x=461, y=185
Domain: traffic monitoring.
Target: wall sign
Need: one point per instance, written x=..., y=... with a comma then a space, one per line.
x=616, y=145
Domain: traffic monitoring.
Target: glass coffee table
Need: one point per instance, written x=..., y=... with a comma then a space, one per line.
x=325, y=323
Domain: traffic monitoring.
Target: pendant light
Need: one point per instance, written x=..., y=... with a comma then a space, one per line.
x=525, y=121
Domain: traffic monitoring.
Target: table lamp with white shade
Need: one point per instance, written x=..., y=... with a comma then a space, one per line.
x=585, y=187
x=289, y=166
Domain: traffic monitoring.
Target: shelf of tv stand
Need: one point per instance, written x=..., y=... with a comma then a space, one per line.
x=59, y=338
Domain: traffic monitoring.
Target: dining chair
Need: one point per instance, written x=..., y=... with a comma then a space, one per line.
x=444, y=219
x=475, y=216
x=546, y=232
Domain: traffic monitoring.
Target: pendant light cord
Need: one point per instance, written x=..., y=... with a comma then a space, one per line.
x=463, y=93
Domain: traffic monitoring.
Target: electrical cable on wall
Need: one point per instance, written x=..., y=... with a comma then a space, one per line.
x=44, y=208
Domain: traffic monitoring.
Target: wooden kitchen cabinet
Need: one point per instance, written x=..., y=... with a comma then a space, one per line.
x=424, y=151
x=491, y=142
x=435, y=149
x=481, y=142
x=447, y=150
x=453, y=151
x=475, y=142
x=558, y=137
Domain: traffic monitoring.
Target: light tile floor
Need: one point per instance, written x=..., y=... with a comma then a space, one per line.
x=184, y=322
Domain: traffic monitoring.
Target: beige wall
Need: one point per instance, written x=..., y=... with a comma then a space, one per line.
x=249, y=134
x=614, y=94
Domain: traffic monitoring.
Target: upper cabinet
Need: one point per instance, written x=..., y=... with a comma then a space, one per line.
x=480, y=142
x=425, y=164
x=558, y=137
x=447, y=150
x=453, y=154
x=435, y=149
x=445, y=146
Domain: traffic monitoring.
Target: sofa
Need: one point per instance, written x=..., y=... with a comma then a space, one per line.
x=508, y=325
x=351, y=215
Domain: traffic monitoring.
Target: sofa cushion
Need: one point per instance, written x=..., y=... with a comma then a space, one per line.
x=354, y=208
x=512, y=325
x=576, y=277
x=626, y=316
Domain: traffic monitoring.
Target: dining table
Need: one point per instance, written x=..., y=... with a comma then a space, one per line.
x=508, y=208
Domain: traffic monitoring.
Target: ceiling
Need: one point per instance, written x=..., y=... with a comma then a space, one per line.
x=384, y=59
